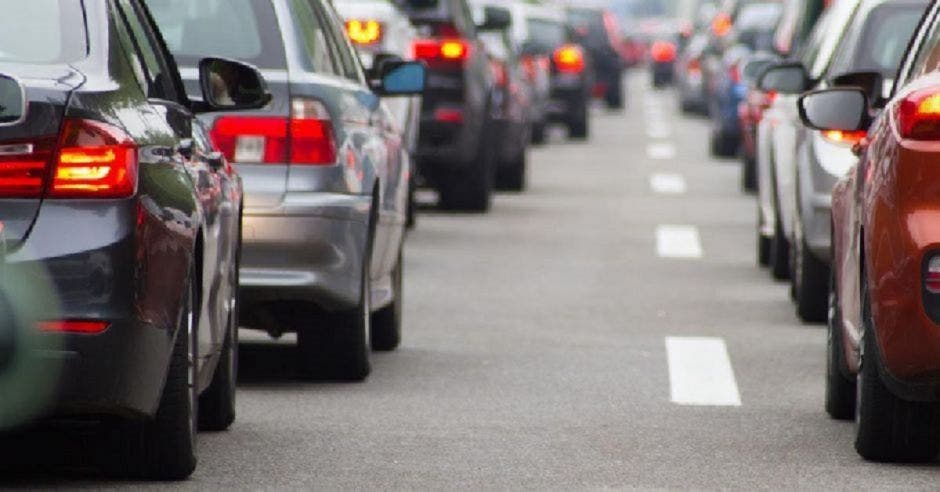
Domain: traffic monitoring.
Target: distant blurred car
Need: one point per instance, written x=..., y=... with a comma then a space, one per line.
x=689, y=82
x=512, y=101
x=750, y=111
x=380, y=31
x=544, y=36
x=536, y=65
x=597, y=31
x=752, y=32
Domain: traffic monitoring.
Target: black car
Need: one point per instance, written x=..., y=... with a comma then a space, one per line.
x=116, y=206
x=455, y=149
x=597, y=31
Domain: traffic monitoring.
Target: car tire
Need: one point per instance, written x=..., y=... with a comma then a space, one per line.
x=614, y=95
x=749, y=174
x=411, y=212
x=810, y=283
x=889, y=428
x=164, y=447
x=335, y=345
x=578, y=125
x=386, y=322
x=722, y=145
x=511, y=176
x=469, y=187
x=763, y=249
x=539, y=132
x=779, y=252
x=840, y=389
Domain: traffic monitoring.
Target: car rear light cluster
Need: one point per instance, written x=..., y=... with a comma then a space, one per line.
x=846, y=138
x=500, y=76
x=442, y=51
x=532, y=65
x=932, y=276
x=663, y=52
x=88, y=159
x=305, y=138
x=734, y=73
x=721, y=25
x=569, y=58
x=81, y=327
x=364, y=32
x=694, y=66
x=918, y=116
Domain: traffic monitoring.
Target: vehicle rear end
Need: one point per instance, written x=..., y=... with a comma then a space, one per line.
x=598, y=32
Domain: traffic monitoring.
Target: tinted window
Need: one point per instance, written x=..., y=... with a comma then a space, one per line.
x=159, y=79
x=42, y=31
x=308, y=28
x=245, y=30
x=348, y=58
x=880, y=43
x=544, y=35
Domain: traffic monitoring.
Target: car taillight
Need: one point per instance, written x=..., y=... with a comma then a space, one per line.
x=81, y=327
x=918, y=116
x=436, y=51
x=306, y=138
x=24, y=165
x=364, y=32
x=533, y=65
x=734, y=73
x=721, y=25
x=932, y=276
x=663, y=52
x=94, y=160
x=500, y=77
x=849, y=139
x=569, y=58
x=694, y=66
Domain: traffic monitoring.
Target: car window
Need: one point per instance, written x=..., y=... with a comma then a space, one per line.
x=544, y=35
x=880, y=42
x=928, y=54
x=43, y=31
x=245, y=30
x=156, y=69
x=321, y=56
x=348, y=58
x=826, y=37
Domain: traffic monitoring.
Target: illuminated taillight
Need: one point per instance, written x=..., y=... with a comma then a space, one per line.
x=305, y=138
x=364, y=32
x=663, y=52
x=24, y=166
x=94, y=160
x=694, y=66
x=734, y=73
x=569, y=58
x=721, y=25
x=918, y=116
x=434, y=51
x=849, y=139
x=500, y=76
x=81, y=327
x=932, y=276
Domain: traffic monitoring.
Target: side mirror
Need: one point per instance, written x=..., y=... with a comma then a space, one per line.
x=495, y=19
x=380, y=59
x=870, y=82
x=229, y=85
x=844, y=109
x=784, y=78
x=397, y=78
x=12, y=101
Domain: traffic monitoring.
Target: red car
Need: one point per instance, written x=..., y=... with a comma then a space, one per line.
x=884, y=339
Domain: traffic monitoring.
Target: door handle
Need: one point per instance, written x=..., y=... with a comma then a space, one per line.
x=185, y=148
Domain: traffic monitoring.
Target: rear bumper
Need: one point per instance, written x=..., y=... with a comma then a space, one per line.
x=308, y=249
x=569, y=96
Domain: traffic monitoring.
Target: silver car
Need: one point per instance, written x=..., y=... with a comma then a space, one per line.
x=325, y=171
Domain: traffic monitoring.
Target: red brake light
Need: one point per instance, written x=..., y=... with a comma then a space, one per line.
x=849, y=139
x=919, y=115
x=74, y=326
x=95, y=160
x=441, y=50
x=364, y=32
x=23, y=167
x=663, y=52
x=500, y=77
x=304, y=138
x=694, y=66
x=569, y=58
x=734, y=73
x=721, y=25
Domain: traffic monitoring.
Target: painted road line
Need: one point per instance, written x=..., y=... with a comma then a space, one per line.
x=661, y=151
x=667, y=184
x=700, y=372
x=678, y=241
x=658, y=130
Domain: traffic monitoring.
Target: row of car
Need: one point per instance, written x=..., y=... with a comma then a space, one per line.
x=838, y=132
x=171, y=171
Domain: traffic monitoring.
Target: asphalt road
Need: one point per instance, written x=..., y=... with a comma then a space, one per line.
x=535, y=352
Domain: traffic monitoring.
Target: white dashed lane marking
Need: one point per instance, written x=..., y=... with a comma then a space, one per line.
x=700, y=372
x=667, y=184
x=678, y=241
x=661, y=151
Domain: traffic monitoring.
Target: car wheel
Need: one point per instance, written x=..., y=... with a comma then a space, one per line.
x=889, y=428
x=469, y=188
x=578, y=125
x=411, y=213
x=840, y=389
x=763, y=244
x=722, y=144
x=748, y=174
x=511, y=176
x=614, y=95
x=810, y=280
x=164, y=447
x=336, y=345
x=779, y=252
x=539, y=132
x=386, y=322
x=217, y=402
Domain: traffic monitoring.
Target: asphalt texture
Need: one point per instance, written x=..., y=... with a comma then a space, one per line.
x=534, y=354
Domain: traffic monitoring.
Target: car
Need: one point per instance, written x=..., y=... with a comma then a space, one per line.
x=512, y=101
x=751, y=33
x=326, y=175
x=872, y=42
x=536, y=66
x=883, y=356
x=544, y=36
x=456, y=152
x=687, y=72
x=115, y=200
x=379, y=30
x=598, y=32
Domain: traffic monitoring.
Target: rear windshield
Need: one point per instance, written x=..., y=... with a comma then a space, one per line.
x=245, y=30
x=882, y=41
x=544, y=35
x=43, y=31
